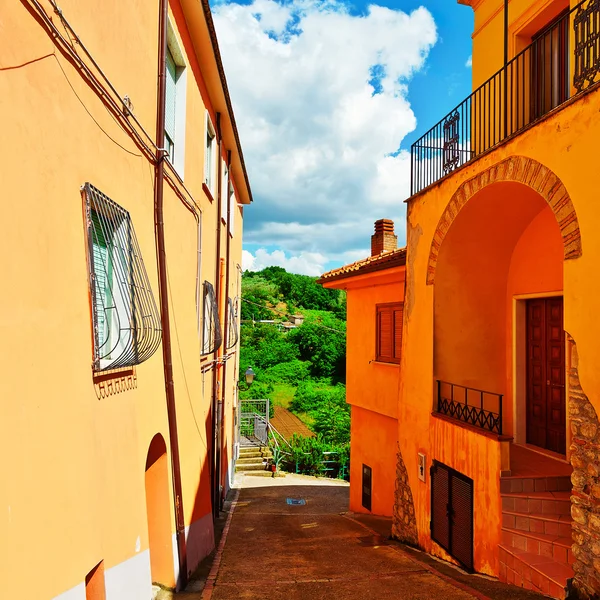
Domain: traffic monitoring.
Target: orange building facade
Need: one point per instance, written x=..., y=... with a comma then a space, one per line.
x=124, y=186
x=499, y=387
x=375, y=296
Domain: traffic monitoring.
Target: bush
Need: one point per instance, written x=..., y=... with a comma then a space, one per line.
x=293, y=372
x=307, y=456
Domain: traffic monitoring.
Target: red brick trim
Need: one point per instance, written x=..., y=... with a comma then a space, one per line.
x=522, y=170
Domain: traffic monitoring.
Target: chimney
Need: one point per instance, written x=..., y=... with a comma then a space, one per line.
x=384, y=239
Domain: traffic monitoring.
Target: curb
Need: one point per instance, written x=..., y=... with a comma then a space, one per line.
x=214, y=570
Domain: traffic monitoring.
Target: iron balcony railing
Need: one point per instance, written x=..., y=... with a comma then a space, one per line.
x=541, y=77
x=472, y=406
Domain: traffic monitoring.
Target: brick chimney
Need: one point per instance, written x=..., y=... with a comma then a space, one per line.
x=384, y=239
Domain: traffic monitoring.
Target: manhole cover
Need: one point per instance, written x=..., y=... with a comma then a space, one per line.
x=296, y=501
x=372, y=540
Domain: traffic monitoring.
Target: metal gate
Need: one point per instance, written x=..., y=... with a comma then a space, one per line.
x=254, y=421
x=452, y=512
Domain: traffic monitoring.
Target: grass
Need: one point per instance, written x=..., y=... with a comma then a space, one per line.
x=283, y=394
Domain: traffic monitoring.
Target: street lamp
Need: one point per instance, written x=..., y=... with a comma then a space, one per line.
x=249, y=376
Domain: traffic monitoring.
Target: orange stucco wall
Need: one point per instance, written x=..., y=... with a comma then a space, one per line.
x=378, y=453
x=74, y=491
x=502, y=245
x=371, y=387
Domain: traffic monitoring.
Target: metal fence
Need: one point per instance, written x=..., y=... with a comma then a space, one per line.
x=541, y=77
x=254, y=420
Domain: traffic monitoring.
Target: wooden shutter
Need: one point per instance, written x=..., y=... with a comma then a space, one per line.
x=389, y=332
x=170, y=98
x=452, y=512
x=398, y=317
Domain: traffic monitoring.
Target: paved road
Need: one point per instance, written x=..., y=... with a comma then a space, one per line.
x=316, y=551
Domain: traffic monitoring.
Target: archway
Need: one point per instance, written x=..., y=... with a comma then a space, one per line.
x=517, y=169
x=158, y=510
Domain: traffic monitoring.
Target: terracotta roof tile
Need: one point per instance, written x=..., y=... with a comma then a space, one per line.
x=385, y=260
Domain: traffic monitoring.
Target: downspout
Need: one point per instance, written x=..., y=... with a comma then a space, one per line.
x=505, y=68
x=163, y=292
x=226, y=320
x=215, y=479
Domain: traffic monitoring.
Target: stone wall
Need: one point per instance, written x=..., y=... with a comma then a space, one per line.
x=404, y=525
x=585, y=497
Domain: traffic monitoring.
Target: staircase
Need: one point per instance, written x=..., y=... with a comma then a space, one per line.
x=535, y=552
x=253, y=460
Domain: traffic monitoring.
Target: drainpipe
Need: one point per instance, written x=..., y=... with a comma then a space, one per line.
x=163, y=292
x=225, y=320
x=505, y=68
x=215, y=478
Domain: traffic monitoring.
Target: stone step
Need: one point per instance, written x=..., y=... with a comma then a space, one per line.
x=534, y=572
x=244, y=460
x=535, y=484
x=556, y=525
x=263, y=474
x=548, y=503
x=541, y=544
x=254, y=452
x=251, y=467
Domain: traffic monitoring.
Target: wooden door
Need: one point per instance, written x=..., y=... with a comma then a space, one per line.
x=546, y=405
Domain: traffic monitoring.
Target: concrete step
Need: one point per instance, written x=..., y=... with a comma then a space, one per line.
x=540, y=544
x=548, y=503
x=556, y=525
x=246, y=453
x=263, y=474
x=534, y=572
x=250, y=467
x=245, y=460
x=542, y=483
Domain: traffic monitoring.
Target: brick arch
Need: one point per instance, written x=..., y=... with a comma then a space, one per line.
x=523, y=170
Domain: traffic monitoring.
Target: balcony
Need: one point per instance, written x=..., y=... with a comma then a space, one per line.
x=540, y=78
x=474, y=407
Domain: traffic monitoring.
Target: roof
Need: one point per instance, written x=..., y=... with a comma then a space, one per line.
x=385, y=260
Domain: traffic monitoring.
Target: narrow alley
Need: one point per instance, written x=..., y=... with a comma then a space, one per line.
x=292, y=538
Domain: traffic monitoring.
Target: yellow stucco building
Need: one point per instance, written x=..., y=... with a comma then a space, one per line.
x=123, y=186
x=500, y=386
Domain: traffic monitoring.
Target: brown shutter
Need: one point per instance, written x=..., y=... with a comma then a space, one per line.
x=452, y=512
x=385, y=334
x=440, y=505
x=461, y=541
x=398, y=316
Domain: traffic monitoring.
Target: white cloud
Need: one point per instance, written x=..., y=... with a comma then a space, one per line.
x=320, y=97
x=306, y=263
x=469, y=62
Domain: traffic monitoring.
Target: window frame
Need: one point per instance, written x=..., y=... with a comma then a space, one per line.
x=209, y=154
x=396, y=354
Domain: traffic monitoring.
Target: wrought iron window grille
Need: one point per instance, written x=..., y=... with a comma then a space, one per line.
x=472, y=406
x=537, y=80
x=232, y=326
x=212, y=337
x=126, y=322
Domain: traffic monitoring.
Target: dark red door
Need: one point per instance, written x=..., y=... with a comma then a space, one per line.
x=546, y=408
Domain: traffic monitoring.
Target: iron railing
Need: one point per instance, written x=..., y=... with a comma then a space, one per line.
x=541, y=77
x=472, y=406
x=254, y=420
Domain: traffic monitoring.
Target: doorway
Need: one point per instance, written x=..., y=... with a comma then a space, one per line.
x=545, y=380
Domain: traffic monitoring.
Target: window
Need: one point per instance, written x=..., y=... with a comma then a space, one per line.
x=232, y=326
x=175, y=101
x=170, y=107
x=224, y=192
x=126, y=323
x=389, y=332
x=211, y=327
x=232, y=209
x=367, y=485
x=209, y=157
x=550, y=66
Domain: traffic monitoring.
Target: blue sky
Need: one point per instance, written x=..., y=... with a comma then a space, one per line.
x=326, y=94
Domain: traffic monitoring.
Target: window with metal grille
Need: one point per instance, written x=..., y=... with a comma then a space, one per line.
x=212, y=337
x=452, y=512
x=232, y=326
x=389, y=332
x=367, y=486
x=127, y=328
